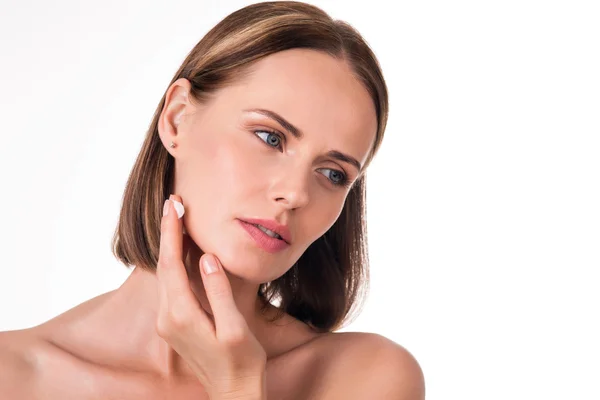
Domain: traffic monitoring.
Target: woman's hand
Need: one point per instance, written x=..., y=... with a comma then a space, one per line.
x=225, y=355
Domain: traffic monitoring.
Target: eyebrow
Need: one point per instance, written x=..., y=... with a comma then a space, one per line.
x=297, y=133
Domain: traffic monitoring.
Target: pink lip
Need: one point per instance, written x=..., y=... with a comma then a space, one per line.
x=264, y=241
x=272, y=225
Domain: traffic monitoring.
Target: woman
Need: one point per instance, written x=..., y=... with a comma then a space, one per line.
x=260, y=146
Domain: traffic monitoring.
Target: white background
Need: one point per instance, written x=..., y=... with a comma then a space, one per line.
x=483, y=202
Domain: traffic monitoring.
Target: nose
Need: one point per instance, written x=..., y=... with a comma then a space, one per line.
x=290, y=187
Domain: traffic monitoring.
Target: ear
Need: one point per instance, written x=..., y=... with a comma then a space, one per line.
x=176, y=105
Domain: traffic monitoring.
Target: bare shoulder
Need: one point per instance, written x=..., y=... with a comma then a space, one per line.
x=17, y=365
x=367, y=365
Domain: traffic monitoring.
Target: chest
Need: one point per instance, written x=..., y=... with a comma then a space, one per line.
x=289, y=377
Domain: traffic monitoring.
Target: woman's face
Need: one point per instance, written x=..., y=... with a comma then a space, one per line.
x=235, y=163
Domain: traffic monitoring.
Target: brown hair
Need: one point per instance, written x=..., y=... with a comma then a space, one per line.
x=323, y=287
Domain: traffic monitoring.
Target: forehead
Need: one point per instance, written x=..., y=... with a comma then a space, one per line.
x=315, y=92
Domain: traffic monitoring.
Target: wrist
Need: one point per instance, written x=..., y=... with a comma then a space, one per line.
x=254, y=388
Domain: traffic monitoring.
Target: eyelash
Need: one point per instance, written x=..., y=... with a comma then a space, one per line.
x=343, y=182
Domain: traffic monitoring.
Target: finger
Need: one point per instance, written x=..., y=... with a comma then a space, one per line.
x=219, y=294
x=171, y=243
x=171, y=271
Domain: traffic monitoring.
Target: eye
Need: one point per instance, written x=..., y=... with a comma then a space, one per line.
x=337, y=178
x=271, y=138
x=274, y=139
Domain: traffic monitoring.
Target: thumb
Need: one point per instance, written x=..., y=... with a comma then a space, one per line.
x=219, y=293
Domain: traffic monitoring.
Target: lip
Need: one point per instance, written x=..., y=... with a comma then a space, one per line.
x=272, y=225
x=264, y=241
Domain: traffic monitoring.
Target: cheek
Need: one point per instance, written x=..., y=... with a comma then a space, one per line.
x=323, y=218
x=215, y=179
x=213, y=167
x=204, y=179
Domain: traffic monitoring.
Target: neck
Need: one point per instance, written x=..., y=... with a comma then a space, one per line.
x=137, y=298
x=122, y=324
x=143, y=286
x=244, y=293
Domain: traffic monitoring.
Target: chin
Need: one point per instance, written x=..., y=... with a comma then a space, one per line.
x=244, y=264
x=240, y=257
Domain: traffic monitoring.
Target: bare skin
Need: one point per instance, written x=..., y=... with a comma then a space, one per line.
x=225, y=169
x=90, y=352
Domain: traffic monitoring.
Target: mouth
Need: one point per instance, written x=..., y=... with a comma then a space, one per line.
x=268, y=232
x=271, y=228
x=265, y=238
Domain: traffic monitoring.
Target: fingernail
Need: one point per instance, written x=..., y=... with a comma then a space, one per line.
x=209, y=264
x=178, y=208
x=166, y=208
